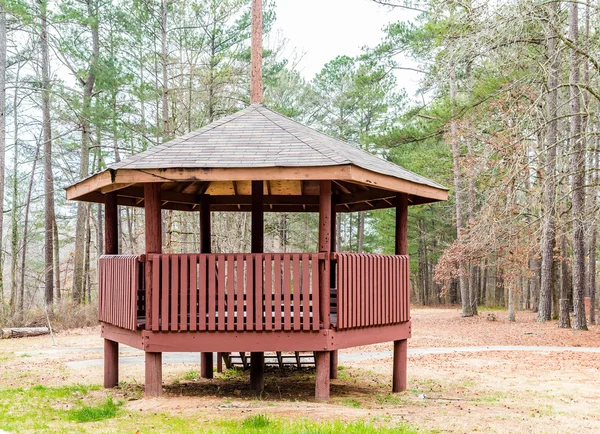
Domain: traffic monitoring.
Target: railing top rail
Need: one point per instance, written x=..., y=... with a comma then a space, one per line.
x=321, y=256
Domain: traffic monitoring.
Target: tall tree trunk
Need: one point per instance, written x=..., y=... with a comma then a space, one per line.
x=25, y=235
x=548, y=218
x=165, y=78
x=82, y=214
x=14, y=298
x=2, y=136
x=590, y=290
x=578, y=177
x=56, y=258
x=361, y=231
x=48, y=177
x=467, y=307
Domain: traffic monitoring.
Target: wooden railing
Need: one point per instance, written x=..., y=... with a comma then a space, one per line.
x=372, y=290
x=234, y=292
x=120, y=290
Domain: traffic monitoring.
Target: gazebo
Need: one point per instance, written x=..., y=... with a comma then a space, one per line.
x=259, y=161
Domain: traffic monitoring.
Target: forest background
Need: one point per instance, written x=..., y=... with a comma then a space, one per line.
x=506, y=114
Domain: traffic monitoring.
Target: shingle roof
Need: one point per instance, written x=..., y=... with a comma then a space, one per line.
x=258, y=137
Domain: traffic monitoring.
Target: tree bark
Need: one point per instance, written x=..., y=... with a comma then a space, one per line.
x=548, y=218
x=467, y=308
x=48, y=176
x=2, y=133
x=79, y=277
x=578, y=177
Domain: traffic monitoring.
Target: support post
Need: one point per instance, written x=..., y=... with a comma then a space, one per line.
x=257, y=371
x=401, y=346
x=333, y=369
x=325, y=247
x=257, y=359
x=206, y=358
x=111, y=363
x=400, y=359
x=153, y=362
x=323, y=358
x=206, y=365
x=111, y=246
x=322, y=363
x=153, y=228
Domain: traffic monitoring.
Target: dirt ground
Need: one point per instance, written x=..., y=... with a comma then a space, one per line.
x=498, y=391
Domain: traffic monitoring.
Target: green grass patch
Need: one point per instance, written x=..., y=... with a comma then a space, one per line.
x=234, y=372
x=256, y=422
x=191, y=375
x=107, y=410
x=351, y=403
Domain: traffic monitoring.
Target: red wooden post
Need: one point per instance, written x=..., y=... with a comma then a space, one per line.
x=322, y=362
x=401, y=346
x=257, y=359
x=206, y=359
x=333, y=368
x=153, y=380
x=111, y=245
x=111, y=363
x=153, y=227
x=323, y=358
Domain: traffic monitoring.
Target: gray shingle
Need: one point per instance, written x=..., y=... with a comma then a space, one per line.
x=259, y=137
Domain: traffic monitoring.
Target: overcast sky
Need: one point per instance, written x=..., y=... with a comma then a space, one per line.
x=324, y=29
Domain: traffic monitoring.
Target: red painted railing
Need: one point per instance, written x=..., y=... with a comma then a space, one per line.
x=372, y=290
x=234, y=292
x=119, y=283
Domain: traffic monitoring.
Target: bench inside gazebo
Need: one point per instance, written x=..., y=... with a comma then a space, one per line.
x=255, y=161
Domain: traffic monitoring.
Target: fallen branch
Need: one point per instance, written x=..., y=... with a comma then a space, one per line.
x=23, y=332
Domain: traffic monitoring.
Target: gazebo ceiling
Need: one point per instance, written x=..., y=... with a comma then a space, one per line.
x=221, y=160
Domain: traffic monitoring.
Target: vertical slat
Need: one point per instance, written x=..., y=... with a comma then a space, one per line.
x=221, y=291
x=305, y=293
x=193, y=292
x=315, y=292
x=133, y=294
x=394, y=312
x=184, y=293
x=391, y=291
x=399, y=290
x=174, y=292
x=277, y=302
x=211, y=292
x=249, y=293
x=230, y=293
x=165, y=293
x=239, y=325
x=155, y=292
x=364, y=296
x=268, y=293
x=370, y=290
x=287, y=290
x=356, y=291
x=379, y=301
x=297, y=293
x=407, y=280
x=258, y=291
x=202, y=292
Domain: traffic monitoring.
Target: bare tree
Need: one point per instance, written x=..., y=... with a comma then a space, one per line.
x=79, y=277
x=2, y=133
x=578, y=176
x=48, y=177
x=548, y=219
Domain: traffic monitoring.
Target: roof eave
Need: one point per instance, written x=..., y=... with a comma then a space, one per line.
x=112, y=180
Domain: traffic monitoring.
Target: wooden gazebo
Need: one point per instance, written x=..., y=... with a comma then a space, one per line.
x=259, y=161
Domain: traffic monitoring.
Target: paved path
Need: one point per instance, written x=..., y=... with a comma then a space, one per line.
x=130, y=356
